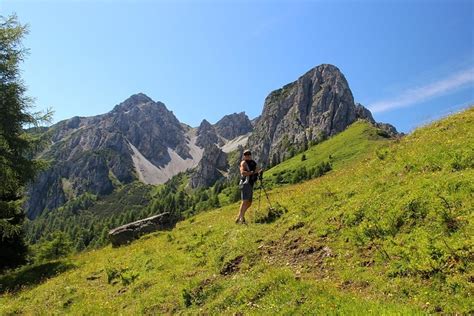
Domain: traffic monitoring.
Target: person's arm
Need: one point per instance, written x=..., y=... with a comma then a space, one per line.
x=244, y=170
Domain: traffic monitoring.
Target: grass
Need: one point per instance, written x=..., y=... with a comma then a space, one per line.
x=32, y=275
x=357, y=141
x=388, y=233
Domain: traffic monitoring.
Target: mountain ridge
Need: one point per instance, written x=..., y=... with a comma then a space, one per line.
x=317, y=105
x=140, y=139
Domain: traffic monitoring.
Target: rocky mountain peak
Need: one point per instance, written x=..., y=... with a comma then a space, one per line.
x=318, y=104
x=138, y=137
x=206, y=134
x=233, y=125
x=132, y=101
x=204, y=126
x=216, y=140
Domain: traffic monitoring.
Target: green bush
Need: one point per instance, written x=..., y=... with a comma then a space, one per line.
x=271, y=214
x=56, y=246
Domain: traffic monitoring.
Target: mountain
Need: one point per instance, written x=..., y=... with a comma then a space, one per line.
x=302, y=113
x=317, y=105
x=388, y=231
x=213, y=166
x=140, y=139
x=218, y=140
x=233, y=125
x=228, y=133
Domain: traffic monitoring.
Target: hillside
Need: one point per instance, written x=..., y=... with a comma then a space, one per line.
x=354, y=143
x=389, y=233
x=87, y=219
x=142, y=140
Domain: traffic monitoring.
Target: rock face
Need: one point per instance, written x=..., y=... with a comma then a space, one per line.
x=140, y=139
x=225, y=136
x=211, y=167
x=364, y=113
x=389, y=130
x=129, y=232
x=319, y=104
x=229, y=128
x=233, y=125
x=93, y=154
x=206, y=134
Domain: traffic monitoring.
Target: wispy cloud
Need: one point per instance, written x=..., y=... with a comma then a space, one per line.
x=419, y=94
x=429, y=118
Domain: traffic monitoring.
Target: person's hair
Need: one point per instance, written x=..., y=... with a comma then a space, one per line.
x=247, y=153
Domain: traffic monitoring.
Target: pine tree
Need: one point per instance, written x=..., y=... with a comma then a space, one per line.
x=17, y=147
x=58, y=245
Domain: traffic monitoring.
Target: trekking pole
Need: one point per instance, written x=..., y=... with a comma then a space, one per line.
x=259, y=198
x=266, y=194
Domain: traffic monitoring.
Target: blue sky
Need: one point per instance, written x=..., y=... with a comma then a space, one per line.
x=408, y=61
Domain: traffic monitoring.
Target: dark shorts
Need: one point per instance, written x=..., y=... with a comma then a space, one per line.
x=246, y=192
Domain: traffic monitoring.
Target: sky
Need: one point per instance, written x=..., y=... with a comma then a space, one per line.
x=409, y=62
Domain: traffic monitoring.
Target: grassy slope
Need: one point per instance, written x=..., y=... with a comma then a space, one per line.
x=357, y=141
x=391, y=233
x=360, y=138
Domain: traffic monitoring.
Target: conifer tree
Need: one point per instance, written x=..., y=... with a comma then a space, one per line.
x=17, y=167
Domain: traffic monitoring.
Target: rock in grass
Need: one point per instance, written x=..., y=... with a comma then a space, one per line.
x=125, y=234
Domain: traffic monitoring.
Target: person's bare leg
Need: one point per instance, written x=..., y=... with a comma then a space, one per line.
x=248, y=204
x=237, y=219
x=243, y=205
x=243, y=208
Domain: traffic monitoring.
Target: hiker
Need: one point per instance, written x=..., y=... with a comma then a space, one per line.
x=248, y=176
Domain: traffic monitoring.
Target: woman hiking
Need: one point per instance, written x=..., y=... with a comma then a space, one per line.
x=248, y=176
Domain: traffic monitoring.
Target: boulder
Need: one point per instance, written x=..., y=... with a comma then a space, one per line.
x=127, y=233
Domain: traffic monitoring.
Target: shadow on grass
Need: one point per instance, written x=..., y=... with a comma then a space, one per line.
x=32, y=275
x=270, y=215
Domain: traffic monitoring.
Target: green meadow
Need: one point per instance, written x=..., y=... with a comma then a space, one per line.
x=386, y=230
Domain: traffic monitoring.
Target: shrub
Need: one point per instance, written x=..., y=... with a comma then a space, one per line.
x=279, y=178
x=448, y=217
x=59, y=245
x=461, y=160
x=125, y=276
x=381, y=153
x=383, y=133
x=271, y=214
x=299, y=175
